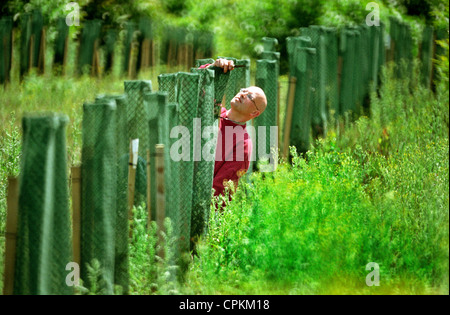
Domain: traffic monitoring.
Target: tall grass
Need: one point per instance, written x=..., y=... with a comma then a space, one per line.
x=374, y=191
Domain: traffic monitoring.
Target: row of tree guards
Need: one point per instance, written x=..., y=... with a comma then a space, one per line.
x=331, y=73
x=143, y=45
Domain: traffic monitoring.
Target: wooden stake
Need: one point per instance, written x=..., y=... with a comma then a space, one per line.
x=149, y=190
x=11, y=234
x=76, y=213
x=30, y=53
x=160, y=196
x=288, y=118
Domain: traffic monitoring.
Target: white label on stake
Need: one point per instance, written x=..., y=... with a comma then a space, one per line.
x=134, y=150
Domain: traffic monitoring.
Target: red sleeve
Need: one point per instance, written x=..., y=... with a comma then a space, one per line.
x=205, y=66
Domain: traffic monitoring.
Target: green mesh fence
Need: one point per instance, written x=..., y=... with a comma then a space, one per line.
x=30, y=40
x=60, y=44
x=99, y=188
x=190, y=182
x=145, y=34
x=188, y=93
x=329, y=44
x=156, y=103
x=128, y=41
x=426, y=54
x=347, y=54
x=121, y=261
x=318, y=109
x=402, y=42
x=137, y=126
x=109, y=43
x=89, y=41
x=300, y=58
x=266, y=139
x=269, y=43
x=203, y=161
x=6, y=24
x=44, y=234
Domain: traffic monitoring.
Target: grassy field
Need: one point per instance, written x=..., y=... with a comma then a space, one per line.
x=375, y=190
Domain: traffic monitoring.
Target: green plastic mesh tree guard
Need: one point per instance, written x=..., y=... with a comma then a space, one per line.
x=31, y=28
x=300, y=55
x=89, y=35
x=203, y=164
x=426, y=54
x=109, y=44
x=267, y=80
x=121, y=261
x=137, y=126
x=6, y=24
x=99, y=188
x=191, y=176
x=146, y=33
x=59, y=45
x=346, y=52
x=269, y=43
x=318, y=107
x=44, y=245
x=156, y=104
x=329, y=42
x=400, y=33
x=130, y=38
x=188, y=92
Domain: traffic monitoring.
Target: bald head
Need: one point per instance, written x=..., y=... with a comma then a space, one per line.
x=259, y=98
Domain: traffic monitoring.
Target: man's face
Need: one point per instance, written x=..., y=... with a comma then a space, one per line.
x=248, y=101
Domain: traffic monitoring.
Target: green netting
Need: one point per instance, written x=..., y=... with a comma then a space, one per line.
x=188, y=95
x=145, y=33
x=110, y=40
x=401, y=37
x=43, y=230
x=300, y=56
x=130, y=38
x=346, y=52
x=269, y=43
x=156, y=103
x=318, y=109
x=31, y=32
x=60, y=43
x=6, y=24
x=190, y=182
x=266, y=139
x=173, y=198
x=89, y=36
x=121, y=267
x=137, y=114
x=203, y=166
x=426, y=55
x=329, y=43
x=99, y=188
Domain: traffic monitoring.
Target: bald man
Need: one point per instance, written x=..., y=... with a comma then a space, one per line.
x=234, y=145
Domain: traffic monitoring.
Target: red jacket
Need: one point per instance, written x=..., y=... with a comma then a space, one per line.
x=233, y=152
